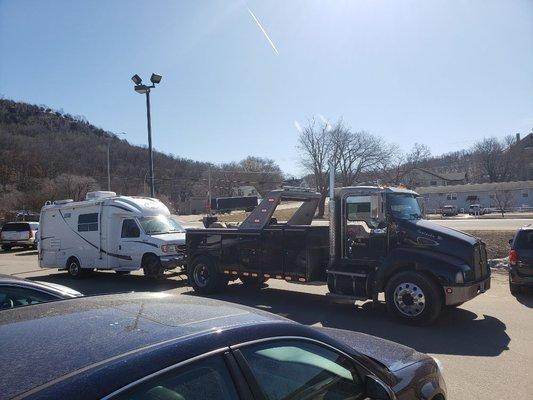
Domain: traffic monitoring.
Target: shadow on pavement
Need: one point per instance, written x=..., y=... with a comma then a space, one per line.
x=458, y=331
x=108, y=282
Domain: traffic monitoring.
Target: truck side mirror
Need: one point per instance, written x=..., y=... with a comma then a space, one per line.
x=377, y=390
x=510, y=242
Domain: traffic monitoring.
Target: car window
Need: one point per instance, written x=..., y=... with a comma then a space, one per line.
x=204, y=379
x=525, y=240
x=12, y=296
x=16, y=227
x=300, y=370
x=130, y=229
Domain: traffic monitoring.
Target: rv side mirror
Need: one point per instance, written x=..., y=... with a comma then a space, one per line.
x=377, y=390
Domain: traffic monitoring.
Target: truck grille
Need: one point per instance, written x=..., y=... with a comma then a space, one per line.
x=481, y=267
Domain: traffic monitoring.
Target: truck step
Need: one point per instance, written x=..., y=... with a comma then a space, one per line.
x=342, y=298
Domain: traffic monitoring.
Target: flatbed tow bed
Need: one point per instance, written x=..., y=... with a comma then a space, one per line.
x=376, y=242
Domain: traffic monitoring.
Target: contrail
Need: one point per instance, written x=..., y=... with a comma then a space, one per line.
x=263, y=30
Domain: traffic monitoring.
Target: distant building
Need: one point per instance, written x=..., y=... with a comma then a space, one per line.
x=518, y=195
x=245, y=191
x=419, y=177
x=526, y=144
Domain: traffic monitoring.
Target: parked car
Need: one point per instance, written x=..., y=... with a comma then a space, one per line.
x=160, y=346
x=521, y=260
x=476, y=209
x=19, y=234
x=18, y=292
x=449, y=211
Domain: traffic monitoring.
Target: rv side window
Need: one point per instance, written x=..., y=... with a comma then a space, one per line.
x=88, y=222
x=130, y=229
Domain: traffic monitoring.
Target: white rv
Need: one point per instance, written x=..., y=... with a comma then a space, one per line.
x=111, y=232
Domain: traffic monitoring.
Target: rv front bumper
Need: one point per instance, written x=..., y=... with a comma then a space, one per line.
x=172, y=261
x=460, y=294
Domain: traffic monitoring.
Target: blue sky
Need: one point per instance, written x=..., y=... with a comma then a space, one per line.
x=443, y=73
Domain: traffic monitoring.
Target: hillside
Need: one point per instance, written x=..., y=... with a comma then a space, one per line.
x=47, y=154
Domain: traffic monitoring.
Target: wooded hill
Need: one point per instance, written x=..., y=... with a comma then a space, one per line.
x=47, y=154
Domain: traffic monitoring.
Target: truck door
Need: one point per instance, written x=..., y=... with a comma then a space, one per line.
x=364, y=228
x=295, y=254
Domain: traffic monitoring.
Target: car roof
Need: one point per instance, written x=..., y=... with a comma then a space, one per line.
x=95, y=329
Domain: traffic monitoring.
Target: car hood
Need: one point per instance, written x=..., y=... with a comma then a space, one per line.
x=178, y=237
x=393, y=356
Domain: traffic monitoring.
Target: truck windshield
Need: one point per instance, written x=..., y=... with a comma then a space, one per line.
x=160, y=224
x=404, y=206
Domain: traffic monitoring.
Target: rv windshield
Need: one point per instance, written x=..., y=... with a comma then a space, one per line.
x=404, y=206
x=160, y=224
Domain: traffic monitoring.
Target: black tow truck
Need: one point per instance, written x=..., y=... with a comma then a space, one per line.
x=376, y=241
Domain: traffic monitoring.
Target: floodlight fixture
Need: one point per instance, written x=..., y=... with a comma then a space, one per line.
x=136, y=79
x=155, y=78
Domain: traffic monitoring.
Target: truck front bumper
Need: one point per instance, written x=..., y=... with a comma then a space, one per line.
x=172, y=261
x=460, y=294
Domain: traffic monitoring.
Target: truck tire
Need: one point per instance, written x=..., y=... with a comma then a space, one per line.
x=152, y=268
x=204, y=276
x=413, y=298
x=6, y=248
x=75, y=270
x=254, y=282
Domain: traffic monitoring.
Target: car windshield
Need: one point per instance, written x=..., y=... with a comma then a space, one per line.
x=404, y=206
x=160, y=224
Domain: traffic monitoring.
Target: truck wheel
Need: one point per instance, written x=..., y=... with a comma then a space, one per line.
x=75, y=270
x=152, y=267
x=413, y=298
x=6, y=248
x=204, y=276
x=255, y=282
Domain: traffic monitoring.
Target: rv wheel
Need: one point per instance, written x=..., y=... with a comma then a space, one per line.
x=74, y=268
x=204, y=276
x=152, y=267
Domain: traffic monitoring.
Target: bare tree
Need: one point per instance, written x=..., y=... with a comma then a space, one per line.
x=504, y=200
x=354, y=153
x=315, y=145
x=74, y=186
x=489, y=157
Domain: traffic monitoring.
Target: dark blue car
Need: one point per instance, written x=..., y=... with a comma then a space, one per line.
x=148, y=346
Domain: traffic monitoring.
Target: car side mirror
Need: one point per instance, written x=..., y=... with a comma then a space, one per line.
x=511, y=242
x=377, y=390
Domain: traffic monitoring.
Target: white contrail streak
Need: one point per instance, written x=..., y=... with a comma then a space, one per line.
x=263, y=30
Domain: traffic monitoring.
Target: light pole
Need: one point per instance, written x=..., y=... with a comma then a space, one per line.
x=143, y=89
x=108, y=158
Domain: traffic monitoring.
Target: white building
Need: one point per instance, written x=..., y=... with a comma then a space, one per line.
x=510, y=195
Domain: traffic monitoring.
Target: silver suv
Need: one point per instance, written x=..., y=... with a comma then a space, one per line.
x=19, y=234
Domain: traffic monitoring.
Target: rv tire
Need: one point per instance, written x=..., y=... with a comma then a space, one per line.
x=152, y=267
x=74, y=268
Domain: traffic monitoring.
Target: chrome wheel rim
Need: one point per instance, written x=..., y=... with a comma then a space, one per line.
x=201, y=275
x=409, y=299
x=74, y=268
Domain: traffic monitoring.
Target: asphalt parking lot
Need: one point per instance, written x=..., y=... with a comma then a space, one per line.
x=486, y=346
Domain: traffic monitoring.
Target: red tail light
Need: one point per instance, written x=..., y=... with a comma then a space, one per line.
x=513, y=257
x=30, y=234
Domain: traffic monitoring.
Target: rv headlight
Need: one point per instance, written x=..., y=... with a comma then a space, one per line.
x=165, y=248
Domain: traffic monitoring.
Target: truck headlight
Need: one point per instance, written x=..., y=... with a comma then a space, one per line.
x=459, y=277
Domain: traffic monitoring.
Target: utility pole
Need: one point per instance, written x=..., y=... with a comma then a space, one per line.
x=151, y=160
x=144, y=89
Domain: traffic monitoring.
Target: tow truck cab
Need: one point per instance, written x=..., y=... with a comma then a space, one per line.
x=377, y=241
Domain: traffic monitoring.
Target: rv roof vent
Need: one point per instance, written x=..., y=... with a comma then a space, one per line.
x=99, y=195
x=65, y=201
